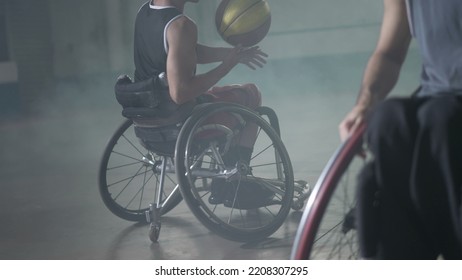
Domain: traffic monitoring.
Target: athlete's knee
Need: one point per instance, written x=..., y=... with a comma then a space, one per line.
x=254, y=98
x=386, y=113
x=440, y=114
x=385, y=119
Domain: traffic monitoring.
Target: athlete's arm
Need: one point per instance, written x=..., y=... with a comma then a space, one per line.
x=182, y=58
x=384, y=65
x=206, y=54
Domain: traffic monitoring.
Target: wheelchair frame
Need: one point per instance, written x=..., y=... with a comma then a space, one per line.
x=293, y=194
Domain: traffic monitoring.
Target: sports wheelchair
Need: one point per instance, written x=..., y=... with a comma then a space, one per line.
x=328, y=228
x=152, y=162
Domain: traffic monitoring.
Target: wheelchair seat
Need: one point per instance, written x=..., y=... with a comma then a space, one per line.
x=158, y=133
x=157, y=119
x=161, y=140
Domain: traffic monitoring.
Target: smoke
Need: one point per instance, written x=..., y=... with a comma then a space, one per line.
x=50, y=158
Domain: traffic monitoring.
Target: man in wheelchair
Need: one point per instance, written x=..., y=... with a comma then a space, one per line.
x=409, y=195
x=166, y=53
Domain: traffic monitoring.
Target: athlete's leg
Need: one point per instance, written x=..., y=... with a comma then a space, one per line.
x=247, y=95
x=437, y=178
x=391, y=135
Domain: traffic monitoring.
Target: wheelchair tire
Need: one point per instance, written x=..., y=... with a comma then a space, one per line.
x=327, y=228
x=270, y=169
x=128, y=177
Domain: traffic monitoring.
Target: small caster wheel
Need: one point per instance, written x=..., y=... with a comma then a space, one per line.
x=154, y=232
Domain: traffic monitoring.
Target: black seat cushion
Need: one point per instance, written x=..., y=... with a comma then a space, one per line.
x=143, y=94
x=161, y=140
x=157, y=119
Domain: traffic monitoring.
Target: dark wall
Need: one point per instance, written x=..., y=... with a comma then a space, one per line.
x=3, y=39
x=28, y=32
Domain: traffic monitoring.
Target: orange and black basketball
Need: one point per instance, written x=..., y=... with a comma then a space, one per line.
x=243, y=22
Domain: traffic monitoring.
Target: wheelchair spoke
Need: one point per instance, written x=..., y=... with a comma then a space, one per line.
x=231, y=196
x=262, y=151
x=122, y=165
x=265, y=164
x=336, y=231
x=126, y=173
x=130, y=178
x=136, y=194
x=132, y=145
x=142, y=191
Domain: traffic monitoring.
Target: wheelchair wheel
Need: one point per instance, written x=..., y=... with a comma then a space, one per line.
x=257, y=194
x=327, y=229
x=129, y=177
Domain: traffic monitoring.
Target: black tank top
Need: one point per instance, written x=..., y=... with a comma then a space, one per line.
x=150, y=53
x=150, y=44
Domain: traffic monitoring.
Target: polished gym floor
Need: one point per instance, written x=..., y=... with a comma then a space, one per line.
x=50, y=207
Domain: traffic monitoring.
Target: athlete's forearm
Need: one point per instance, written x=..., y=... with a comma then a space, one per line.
x=206, y=54
x=380, y=77
x=184, y=90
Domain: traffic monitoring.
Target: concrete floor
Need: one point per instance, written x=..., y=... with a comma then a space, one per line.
x=50, y=207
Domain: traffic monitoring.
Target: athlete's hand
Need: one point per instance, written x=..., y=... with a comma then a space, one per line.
x=253, y=57
x=352, y=120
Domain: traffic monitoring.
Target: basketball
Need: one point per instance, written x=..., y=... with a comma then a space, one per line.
x=243, y=22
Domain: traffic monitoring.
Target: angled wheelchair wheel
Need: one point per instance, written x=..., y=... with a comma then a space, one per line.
x=129, y=177
x=234, y=198
x=328, y=229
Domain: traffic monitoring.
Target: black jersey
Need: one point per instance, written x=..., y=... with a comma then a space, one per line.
x=150, y=43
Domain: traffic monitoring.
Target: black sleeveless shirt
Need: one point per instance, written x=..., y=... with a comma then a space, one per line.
x=150, y=55
x=150, y=44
